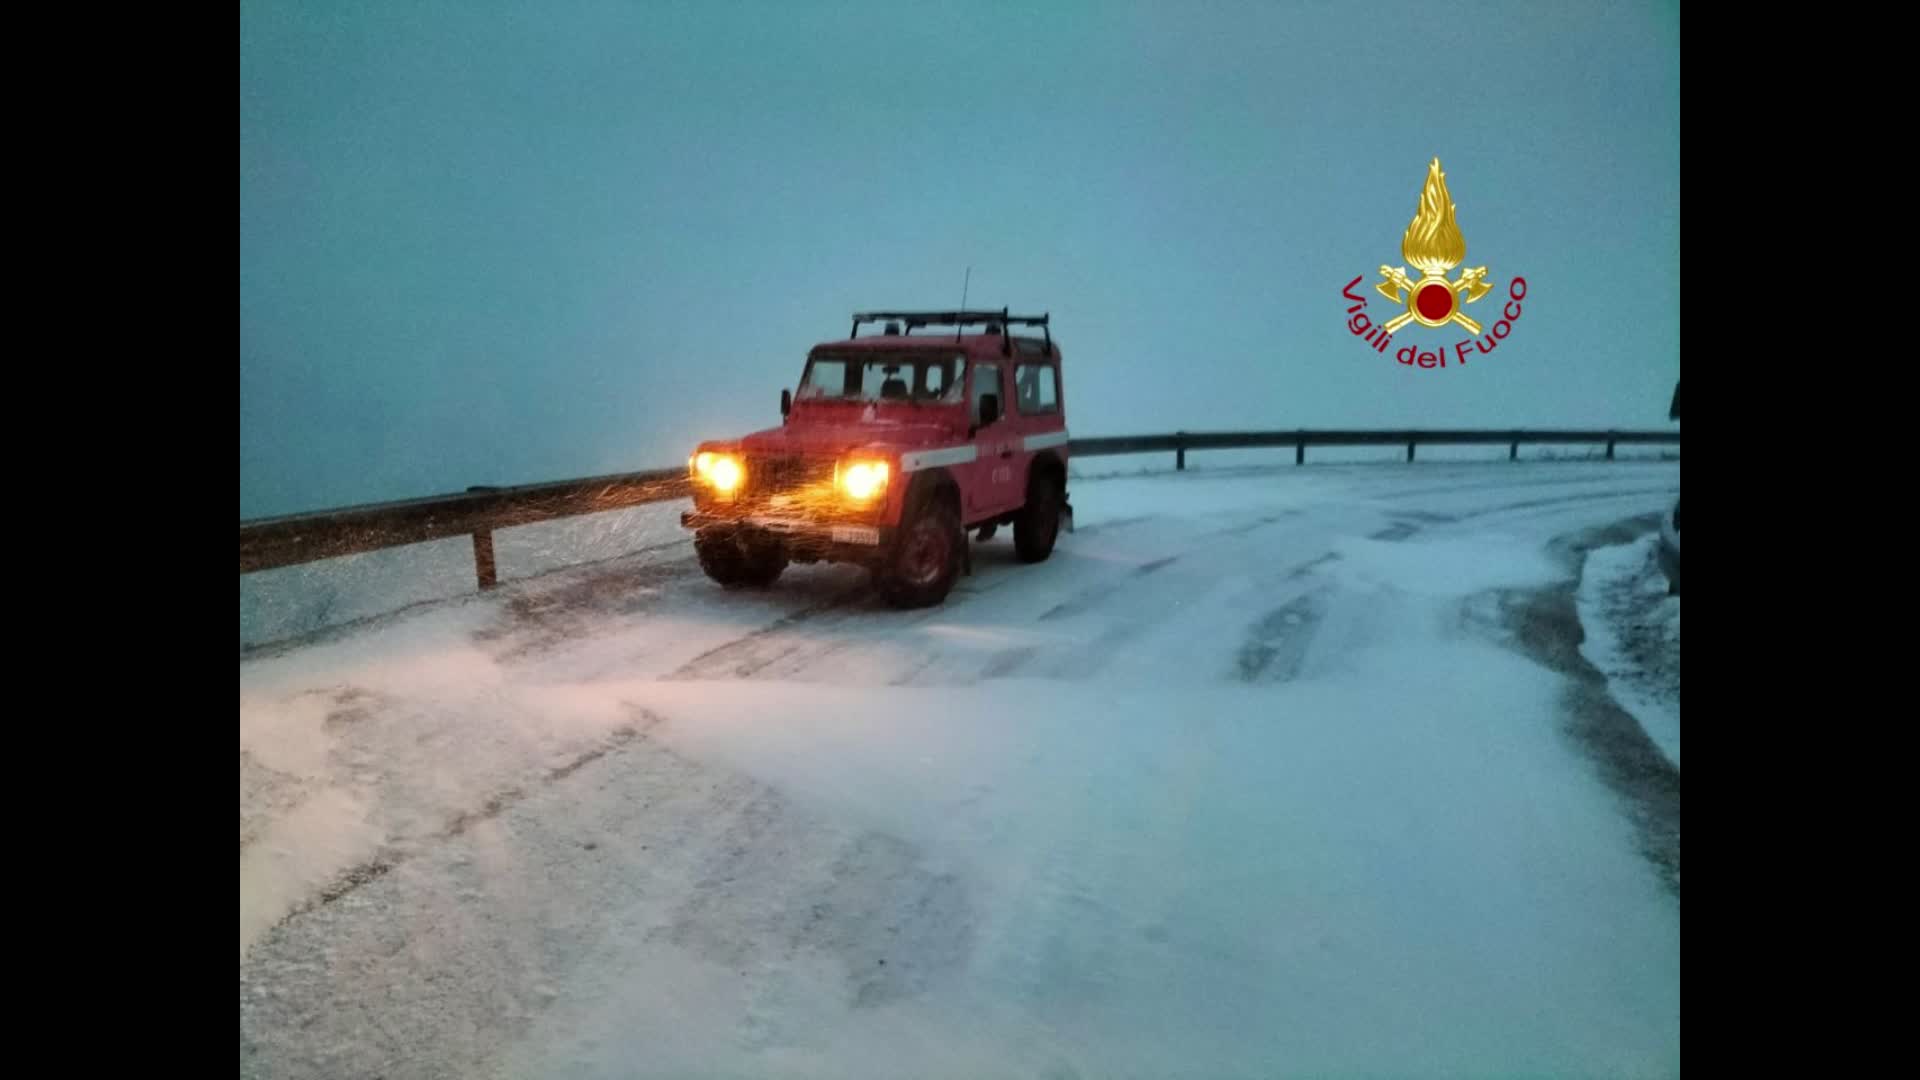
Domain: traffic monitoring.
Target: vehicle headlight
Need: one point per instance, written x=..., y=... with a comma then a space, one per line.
x=721, y=472
x=863, y=480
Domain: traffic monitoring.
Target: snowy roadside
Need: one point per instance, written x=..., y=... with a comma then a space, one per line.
x=1633, y=636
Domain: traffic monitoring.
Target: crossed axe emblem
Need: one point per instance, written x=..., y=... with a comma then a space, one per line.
x=1401, y=289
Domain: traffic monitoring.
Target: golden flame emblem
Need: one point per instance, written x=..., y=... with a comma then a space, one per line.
x=1433, y=245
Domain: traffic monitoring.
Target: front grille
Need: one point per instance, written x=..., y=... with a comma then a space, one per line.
x=791, y=488
x=786, y=475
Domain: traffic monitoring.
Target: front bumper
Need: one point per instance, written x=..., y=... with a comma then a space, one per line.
x=806, y=539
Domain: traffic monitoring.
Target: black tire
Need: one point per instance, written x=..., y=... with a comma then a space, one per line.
x=1038, y=525
x=986, y=532
x=925, y=558
x=739, y=557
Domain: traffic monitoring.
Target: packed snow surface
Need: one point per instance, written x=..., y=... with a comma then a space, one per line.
x=1248, y=779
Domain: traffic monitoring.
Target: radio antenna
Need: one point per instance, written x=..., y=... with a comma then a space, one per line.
x=962, y=313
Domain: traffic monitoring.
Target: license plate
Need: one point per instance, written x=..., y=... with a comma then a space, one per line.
x=855, y=534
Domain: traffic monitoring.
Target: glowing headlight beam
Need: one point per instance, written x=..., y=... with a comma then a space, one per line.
x=865, y=479
x=722, y=472
x=725, y=474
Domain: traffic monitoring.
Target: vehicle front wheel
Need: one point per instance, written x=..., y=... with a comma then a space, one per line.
x=739, y=557
x=920, y=569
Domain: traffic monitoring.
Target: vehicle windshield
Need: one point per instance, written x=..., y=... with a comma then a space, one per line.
x=921, y=378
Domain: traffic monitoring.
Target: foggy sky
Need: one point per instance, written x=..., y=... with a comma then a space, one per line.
x=502, y=243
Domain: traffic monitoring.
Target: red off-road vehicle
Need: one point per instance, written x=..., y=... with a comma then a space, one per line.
x=894, y=447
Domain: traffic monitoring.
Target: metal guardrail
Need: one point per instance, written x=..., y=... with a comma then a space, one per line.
x=1182, y=441
x=270, y=543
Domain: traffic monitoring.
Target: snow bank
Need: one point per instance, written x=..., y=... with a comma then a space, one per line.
x=1633, y=636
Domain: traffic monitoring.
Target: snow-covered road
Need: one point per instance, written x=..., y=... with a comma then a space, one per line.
x=1266, y=772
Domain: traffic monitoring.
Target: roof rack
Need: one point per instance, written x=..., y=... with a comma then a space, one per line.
x=911, y=320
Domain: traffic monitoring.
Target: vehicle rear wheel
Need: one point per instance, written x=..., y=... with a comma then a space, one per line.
x=920, y=569
x=738, y=557
x=1038, y=525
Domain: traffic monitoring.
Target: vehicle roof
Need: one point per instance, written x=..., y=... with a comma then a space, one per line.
x=976, y=346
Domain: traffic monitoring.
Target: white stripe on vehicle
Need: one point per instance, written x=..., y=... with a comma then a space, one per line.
x=927, y=459
x=1051, y=438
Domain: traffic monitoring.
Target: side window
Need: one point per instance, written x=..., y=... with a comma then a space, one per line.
x=1036, y=388
x=986, y=380
x=940, y=380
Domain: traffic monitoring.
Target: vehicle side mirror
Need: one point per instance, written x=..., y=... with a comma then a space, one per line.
x=786, y=402
x=989, y=409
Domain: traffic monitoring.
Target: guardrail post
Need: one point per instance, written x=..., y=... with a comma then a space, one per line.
x=1609, y=448
x=1409, y=449
x=1513, y=449
x=1300, y=448
x=483, y=558
x=1179, y=449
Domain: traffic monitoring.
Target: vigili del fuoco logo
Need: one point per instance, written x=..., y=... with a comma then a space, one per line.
x=1433, y=245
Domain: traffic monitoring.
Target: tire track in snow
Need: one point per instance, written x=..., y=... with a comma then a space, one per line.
x=1492, y=485
x=1158, y=564
x=795, y=644
x=538, y=616
x=622, y=860
x=1258, y=523
x=1104, y=589
x=1398, y=531
x=1133, y=605
x=1276, y=646
x=745, y=656
x=1591, y=496
x=392, y=856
